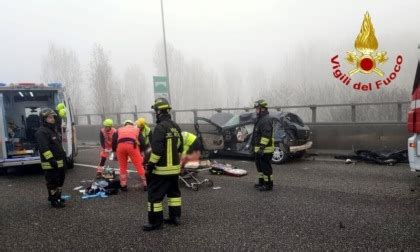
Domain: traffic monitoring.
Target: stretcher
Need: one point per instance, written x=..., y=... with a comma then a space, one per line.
x=189, y=174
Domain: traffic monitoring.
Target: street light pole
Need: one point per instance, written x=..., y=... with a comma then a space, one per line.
x=166, y=53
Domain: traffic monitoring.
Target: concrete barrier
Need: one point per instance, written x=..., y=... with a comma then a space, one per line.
x=325, y=136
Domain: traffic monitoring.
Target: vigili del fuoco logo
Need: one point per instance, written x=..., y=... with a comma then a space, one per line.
x=366, y=60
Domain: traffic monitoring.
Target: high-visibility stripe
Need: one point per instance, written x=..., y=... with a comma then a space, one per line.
x=48, y=155
x=60, y=163
x=154, y=158
x=169, y=152
x=173, y=170
x=47, y=165
x=163, y=106
x=173, y=202
x=264, y=141
x=268, y=178
x=269, y=149
x=157, y=207
x=260, y=175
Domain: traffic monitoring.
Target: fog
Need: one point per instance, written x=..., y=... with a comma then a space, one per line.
x=221, y=53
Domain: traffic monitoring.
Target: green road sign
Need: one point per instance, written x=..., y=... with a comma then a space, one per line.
x=160, y=87
x=160, y=84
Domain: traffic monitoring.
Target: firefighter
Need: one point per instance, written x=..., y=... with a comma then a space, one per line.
x=126, y=143
x=192, y=147
x=146, y=132
x=263, y=146
x=164, y=168
x=105, y=135
x=53, y=157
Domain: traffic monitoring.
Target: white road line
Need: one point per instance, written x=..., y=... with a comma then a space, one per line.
x=94, y=167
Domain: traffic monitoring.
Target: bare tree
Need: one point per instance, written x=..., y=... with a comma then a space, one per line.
x=106, y=90
x=136, y=91
x=62, y=65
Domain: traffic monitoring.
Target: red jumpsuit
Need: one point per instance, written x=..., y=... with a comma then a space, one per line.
x=106, y=147
x=127, y=143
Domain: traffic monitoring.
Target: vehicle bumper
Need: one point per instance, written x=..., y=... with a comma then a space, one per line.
x=306, y=146
x=413, y=153
x=19, y=162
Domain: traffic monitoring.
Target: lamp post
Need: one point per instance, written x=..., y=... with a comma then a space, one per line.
x=166, y=53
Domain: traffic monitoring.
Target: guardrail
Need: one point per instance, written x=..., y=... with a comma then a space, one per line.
x=313, y=108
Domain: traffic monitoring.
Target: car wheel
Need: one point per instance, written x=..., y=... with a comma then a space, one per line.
x=280, y=155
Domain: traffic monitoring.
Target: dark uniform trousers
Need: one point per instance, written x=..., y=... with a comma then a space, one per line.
x=159, y=187
x=264, y=168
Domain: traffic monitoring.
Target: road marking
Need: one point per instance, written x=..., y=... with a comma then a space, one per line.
x=94, y=167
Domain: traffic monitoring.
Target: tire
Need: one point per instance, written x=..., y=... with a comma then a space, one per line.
x=70, y=163
x=280, y=155
x=3, y=171
x=300, y=154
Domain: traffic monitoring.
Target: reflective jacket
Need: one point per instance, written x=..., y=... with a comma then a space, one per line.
x=167, y=145
x=188, y=139
x=127, y=134
x=146, y=133
x=50, y=147
x=263, y=134
x=106, y=138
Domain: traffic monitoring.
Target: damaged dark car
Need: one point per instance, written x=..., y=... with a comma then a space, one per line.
x=228, y=134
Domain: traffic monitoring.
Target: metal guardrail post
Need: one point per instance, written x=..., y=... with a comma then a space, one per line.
x=118, y=118
x=353, y=113
x=102, y=117
x=313, y=108
x=174, y=115
x=246, y=109
x=278, y=108
x=153, y=117
x=399, y=112
x=88, y=120
x=195, y=115
x=218, y=110
x=135, y=116
x=76, y=119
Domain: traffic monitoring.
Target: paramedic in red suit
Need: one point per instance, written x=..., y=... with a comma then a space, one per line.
x=126, y=143
x=106, y=134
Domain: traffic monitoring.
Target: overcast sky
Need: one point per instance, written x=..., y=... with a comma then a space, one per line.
x=243, y=33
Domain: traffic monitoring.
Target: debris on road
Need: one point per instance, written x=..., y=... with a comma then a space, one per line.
x=349, y=161
x=77, y=188
x=378, y=157
x=226, y=169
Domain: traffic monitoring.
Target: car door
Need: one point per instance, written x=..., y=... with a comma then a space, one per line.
x=209, y=133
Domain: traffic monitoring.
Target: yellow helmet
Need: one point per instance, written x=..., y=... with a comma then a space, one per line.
x=141, y=122
x=62, y=113
x=108, y=123
x=60, y=106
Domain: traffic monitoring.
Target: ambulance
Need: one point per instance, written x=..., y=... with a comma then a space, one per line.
x=20, y=105
x=414, y=122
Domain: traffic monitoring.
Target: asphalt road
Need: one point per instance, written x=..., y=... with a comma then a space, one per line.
x=315, y=205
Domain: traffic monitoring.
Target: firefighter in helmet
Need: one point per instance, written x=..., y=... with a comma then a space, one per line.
x=53, y=156
x=263, y=146
x=164, y=168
